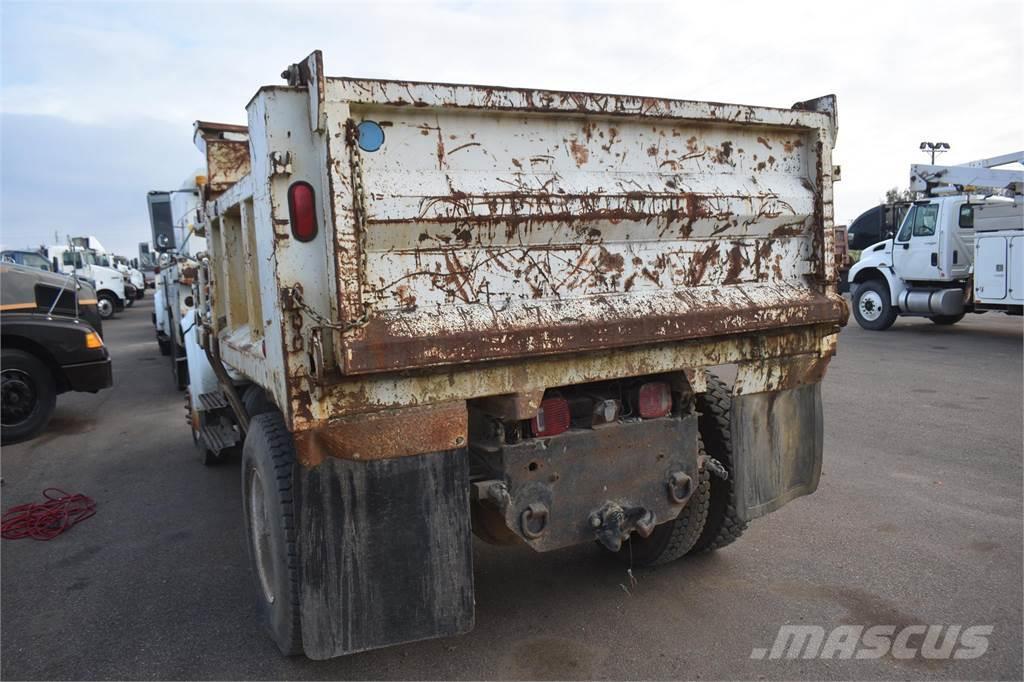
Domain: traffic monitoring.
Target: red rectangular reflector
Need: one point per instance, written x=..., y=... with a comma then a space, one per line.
x=552, y=418
x=655, y=400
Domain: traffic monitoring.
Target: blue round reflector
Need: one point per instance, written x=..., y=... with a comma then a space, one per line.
x=371, y=136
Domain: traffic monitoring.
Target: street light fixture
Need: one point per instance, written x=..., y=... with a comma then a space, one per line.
x=934, y=148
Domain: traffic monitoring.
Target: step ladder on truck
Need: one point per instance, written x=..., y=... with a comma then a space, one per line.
x=959, y=249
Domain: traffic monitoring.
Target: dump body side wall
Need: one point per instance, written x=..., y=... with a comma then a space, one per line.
x=493, y=232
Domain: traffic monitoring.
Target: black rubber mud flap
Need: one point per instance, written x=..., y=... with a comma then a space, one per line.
x=777, y=441
x=385, y=551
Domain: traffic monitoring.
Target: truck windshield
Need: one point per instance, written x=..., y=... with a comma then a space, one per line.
x=920, y=222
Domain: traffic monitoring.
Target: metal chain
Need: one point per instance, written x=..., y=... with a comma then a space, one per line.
x=358, y=204
x=322, y=321
x=355, y=160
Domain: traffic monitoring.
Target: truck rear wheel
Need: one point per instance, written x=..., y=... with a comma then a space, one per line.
x=722, y=526
x=872, y=306
x=268, y=469
x=28, y=395
x=255, y=401
x=672, y=539
x=946, y=320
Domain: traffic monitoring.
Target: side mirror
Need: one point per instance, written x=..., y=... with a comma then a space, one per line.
x=56, y=268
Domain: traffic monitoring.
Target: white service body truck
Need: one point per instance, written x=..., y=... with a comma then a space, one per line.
x=956, y=251
x=431, y=310
x=172, y=218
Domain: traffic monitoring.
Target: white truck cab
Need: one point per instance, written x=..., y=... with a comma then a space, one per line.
x=953, y=253
x=109, y=283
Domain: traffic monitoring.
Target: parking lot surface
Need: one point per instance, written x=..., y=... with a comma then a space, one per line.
x=917, y=520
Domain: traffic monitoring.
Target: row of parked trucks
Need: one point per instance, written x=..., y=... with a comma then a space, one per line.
x=54, y=301
x=424, y=311
x=118, y=282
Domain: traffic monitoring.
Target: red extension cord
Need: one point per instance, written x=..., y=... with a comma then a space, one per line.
x=47, y=520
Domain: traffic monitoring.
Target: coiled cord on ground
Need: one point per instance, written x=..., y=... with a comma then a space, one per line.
x=46, y=520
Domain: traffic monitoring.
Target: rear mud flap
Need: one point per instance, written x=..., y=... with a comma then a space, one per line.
x=777, y=443
x=385, y=552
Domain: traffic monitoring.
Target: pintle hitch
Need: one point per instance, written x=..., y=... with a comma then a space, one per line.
x=612, y=524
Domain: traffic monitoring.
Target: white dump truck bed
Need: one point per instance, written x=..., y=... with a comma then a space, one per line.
x=465, y=224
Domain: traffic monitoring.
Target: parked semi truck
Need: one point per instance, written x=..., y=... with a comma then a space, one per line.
x=50, y=343
x=431, y=310
x=959, y=249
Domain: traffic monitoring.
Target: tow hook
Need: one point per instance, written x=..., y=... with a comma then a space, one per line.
x=680, y=485
x=716, y=468
x=612, y=524
x=534, y=520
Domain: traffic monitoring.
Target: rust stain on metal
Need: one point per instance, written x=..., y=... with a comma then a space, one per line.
x=579, y=152
x=386, y=434
x=387, y=346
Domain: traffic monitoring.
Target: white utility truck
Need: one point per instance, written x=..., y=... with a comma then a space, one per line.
x=431, y=310
x=172, y=218
x=959, y=250
x=86, y=263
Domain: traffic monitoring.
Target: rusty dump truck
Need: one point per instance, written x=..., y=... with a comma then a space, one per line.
x=430, y=311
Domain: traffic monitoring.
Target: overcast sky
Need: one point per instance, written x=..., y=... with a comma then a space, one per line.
x=97, y=100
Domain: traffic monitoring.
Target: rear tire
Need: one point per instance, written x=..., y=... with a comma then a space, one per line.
x=946, y=320
x=872, y=307
x=268, y=471
x=255, y=401
x=29, y=395
x=722, y=526
x=165, y=346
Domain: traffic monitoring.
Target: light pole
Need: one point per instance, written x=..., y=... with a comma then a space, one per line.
x=934, y=148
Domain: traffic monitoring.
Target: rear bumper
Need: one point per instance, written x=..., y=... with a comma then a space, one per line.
x=89, y=376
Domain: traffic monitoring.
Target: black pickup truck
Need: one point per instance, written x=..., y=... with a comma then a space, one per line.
x=50, y=341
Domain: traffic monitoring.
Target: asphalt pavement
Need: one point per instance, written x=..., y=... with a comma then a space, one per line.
x=918, y=520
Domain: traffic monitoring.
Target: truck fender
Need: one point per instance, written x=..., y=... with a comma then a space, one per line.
x=874, y=264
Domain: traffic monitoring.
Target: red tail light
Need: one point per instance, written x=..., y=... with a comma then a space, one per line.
x=655, y=400
x=552, y=418
x=302, y=211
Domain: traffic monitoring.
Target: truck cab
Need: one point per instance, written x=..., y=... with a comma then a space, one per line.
x=110, y=289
